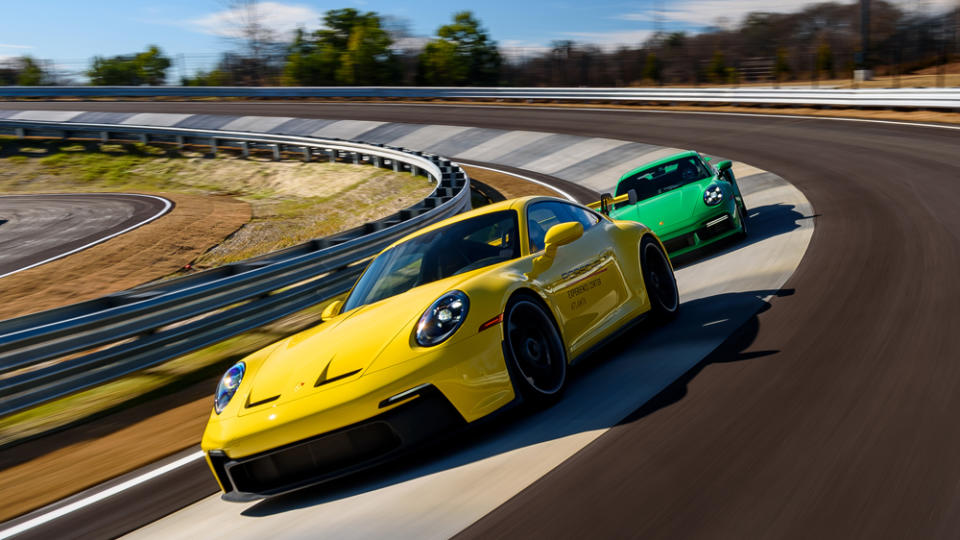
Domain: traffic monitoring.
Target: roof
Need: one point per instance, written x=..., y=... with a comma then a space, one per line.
x=514, y=204
x=660, y=161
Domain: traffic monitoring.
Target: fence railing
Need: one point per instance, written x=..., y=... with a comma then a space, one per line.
x=53, y=353
x=924, y=98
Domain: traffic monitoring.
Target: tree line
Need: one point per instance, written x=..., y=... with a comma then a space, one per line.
x=368, y=49
x=360, y=49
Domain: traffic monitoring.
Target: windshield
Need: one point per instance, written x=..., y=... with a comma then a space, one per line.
x=664, y=177
x=457, y=248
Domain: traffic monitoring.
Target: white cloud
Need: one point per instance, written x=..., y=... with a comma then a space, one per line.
x=710, y=12
x=613, y=39
x=11, y=46
x=410, y=43
x=280, y=18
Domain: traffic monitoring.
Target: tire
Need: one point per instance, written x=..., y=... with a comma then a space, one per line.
x=534, y=351
x=742, y=213
x=659, y=280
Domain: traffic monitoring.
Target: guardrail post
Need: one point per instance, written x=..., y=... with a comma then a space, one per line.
x=396, y=166
x=306, y=154
x=377, y=161
x=19, y=133
x=213, y=146
x=356, y=158
x=104, y=136
x=179, y=142
x=332, y=154
x=145, y=138
x=276, y=152
x=245, y=149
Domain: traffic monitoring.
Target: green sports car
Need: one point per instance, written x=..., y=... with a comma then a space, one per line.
x=687, y=201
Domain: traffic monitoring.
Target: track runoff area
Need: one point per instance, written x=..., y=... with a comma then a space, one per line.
x=738, y=416
x=37, y=229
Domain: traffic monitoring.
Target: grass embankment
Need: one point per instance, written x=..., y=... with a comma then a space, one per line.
x=291, y=201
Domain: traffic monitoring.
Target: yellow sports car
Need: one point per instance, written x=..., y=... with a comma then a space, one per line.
x=444, y=327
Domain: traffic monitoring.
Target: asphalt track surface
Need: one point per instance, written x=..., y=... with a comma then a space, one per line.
x=35, y=229
x=831, y=414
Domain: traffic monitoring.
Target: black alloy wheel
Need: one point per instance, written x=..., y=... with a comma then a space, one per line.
x=659, y=279
x=742, y=213
x=535, y=351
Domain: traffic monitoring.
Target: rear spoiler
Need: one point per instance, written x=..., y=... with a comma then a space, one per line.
x=606, y=202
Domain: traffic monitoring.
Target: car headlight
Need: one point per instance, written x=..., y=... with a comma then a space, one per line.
x=442, y=319
x=713, y=195
x=228, y=386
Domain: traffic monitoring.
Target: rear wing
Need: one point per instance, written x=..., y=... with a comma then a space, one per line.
x=606, y=202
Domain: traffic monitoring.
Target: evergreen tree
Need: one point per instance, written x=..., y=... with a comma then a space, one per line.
x=462, y=54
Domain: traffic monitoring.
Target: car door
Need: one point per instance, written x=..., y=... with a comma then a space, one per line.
x=585, y=282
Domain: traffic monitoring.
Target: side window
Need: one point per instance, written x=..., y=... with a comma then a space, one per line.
x=541, y=216
x=585, y=217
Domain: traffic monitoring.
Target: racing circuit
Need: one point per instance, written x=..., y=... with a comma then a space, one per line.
x=41, y=228
x=826, y=410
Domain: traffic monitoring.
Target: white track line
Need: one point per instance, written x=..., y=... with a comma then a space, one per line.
x=97, y=497
x=566, y=195
x=166, y=207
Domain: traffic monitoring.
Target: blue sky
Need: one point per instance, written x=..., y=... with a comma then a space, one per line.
x=70, y=32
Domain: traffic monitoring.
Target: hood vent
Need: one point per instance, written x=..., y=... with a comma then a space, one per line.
x=324, y=380
x=262, y=401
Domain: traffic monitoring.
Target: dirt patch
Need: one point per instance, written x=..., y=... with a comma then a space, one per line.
x=62, y=462
x=195, y=224
x=76, y=460
x=361, y=195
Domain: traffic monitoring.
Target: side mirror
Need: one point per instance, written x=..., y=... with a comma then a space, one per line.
x=724, y=165
x=332, y=310
x=605, y=201
x=558, y=235
x=632, y=196
x=563, y=233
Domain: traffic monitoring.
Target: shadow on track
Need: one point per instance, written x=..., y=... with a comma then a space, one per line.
x=632, y=369
x=764, y=222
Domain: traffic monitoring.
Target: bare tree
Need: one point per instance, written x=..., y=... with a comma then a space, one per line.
x=246, y=19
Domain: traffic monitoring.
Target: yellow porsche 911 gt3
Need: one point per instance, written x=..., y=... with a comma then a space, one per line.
x=444, y=327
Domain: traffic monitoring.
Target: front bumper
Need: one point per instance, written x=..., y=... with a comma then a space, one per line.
x=338, y=429
x=338, y=453
x=706, y=231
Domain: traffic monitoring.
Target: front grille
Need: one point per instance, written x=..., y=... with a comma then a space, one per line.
x=317, y=457
x=678, y=243
x=708, y=233
x=341, y=452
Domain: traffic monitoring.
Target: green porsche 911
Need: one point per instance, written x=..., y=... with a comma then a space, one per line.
x=687, y=201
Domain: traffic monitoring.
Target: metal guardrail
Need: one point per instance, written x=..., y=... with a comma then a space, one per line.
x=61, y=351
x=925, y=98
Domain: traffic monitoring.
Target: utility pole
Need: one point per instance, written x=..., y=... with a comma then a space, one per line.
x=863, y=72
